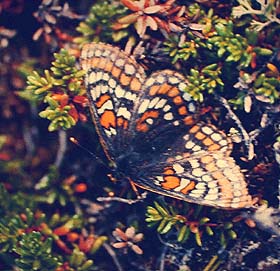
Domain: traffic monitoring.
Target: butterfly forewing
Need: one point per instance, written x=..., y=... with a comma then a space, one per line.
x=113, y=81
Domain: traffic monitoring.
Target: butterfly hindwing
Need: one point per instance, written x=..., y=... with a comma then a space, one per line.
x=190, y=171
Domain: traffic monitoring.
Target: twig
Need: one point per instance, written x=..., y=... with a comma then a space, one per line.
x=28, y=139
x=112, y=253
x=162, y=258
x=127, y=201
x=62, y=144
x=245, y=135
x=276, y=148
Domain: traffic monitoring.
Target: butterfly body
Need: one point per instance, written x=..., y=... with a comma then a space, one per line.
x=150, y=131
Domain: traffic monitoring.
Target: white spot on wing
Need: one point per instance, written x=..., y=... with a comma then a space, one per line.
x=182, y=86
x=98, y=76
x=144, y=105
x=211, y=196
x=173, y=80
x=189, y=144
x=168, y=116
x=198, y=172
x=184, y=182
x=119, y=62
x=129, y=69
x=200, y=186
x=91, y=77
x=124, y=112
x=195, y=193
x=216, y=137
x=191, y=107
x=106, y=106
x=106, y=76
x=106, y=53
x=112, y=83
x=206, y=178
x=150, y=82
x=104, y=89
x=129, y=96
x=160, y=104
x=97, y=53
x=154, y=102
x=150, y=121
x=119, y=92
x=166, y=108
x=207, y=130
x=178, y=168
x=93, y=94
x=160, y=79
x=196, y=148
x=221, y=163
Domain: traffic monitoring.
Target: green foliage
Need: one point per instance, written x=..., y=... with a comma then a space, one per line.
x=207, y=80
x=233, y=47
x=98, y=24
x=35, y=253
x=168, y=218
x=35, y=237
x=57, y=88
x=79, y=262
x=180, y=50
x=267, y=86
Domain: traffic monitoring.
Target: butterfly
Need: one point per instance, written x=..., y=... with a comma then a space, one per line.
x=150, y=131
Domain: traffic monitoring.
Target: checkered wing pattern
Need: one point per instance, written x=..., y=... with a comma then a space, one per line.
x=113, y=81
x=149, y=128
x=198, y=168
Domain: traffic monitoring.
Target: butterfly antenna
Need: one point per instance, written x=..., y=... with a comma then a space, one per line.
x=76, y=142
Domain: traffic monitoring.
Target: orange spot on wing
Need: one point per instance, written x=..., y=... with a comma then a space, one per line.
x=171, y=182
x=108, y=119
x=214, y=147
x=108, y=67
x=102, y=63
x=116, y=72
x=135, y=85
x=143, y=127
x=218, y=175
x=211, y=167
x=194, y=129
x=124, y=79
x=103, y=99
x=164, y=88
x=188, y=188
x=168, y=171
x=182, y=110
x=206, y=159
x=189, y=120
x=121, y=122
x=173, y=92
x=153, y=90
x=226, y=189
x=207, y=141
x=200, y=135
x=178, y=100
x=94, y=62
